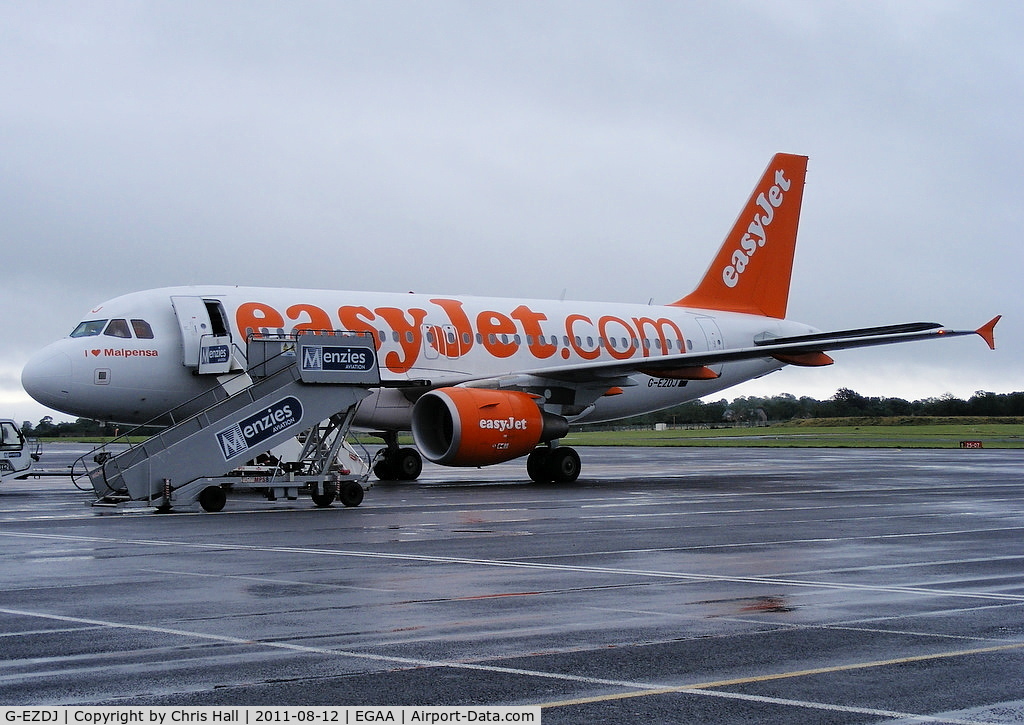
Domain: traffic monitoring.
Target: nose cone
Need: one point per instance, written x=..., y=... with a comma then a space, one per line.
x=47, y=378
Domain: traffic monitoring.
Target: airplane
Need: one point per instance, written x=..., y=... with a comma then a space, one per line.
x=478, y=380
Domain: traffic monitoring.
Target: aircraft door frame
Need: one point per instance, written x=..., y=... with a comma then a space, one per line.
x=453, y=343
x=441, y=340
x=713, y=337
x=431, y=337
x=202, y=345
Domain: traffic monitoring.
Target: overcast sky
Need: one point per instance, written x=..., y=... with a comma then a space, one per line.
x=600, y=149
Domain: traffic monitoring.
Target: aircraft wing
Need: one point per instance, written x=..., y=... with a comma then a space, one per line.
x=802, y=350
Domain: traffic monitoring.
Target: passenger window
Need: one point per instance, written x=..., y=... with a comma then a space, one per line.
x=118, y=328
x=142, y=329
x=90, y=328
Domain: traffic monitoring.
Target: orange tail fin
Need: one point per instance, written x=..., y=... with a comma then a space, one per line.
x=752, y=270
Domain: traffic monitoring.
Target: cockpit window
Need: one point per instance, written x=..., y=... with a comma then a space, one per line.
x=117, y=328
x=88, y=328
x=142, y=329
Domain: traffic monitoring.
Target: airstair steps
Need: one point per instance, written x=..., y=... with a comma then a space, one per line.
x=299, y=382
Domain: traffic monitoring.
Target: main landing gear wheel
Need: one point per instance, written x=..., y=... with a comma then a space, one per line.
x=535, y=465
x=409, y=464
x=399, y=464
x=351, y=494
x=558, y=465
x=212, y=499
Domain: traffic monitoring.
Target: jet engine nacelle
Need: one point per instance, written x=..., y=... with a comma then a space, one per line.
x=477, y=426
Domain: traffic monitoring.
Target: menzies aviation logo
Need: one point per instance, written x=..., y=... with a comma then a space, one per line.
x=257, y=428
x=336, y=358
x=214, y=355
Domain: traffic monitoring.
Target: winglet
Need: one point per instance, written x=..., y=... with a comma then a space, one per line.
x=988, y=331
x=752, y=270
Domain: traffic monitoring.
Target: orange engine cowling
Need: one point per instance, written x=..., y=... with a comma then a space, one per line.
x=477, y=426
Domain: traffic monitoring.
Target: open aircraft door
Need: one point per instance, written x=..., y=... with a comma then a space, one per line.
x=205, y=336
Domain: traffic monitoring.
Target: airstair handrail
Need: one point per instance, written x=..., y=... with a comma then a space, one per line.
x=196, y=408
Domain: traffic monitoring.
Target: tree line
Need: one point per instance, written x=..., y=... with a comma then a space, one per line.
x=81, y=428
x=845, y=403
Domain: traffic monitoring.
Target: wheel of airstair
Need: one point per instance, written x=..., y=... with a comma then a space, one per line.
x=351, y=493
x=212, y=499
x=325, y=499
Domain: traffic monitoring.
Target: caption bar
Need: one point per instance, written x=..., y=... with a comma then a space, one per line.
x=127, y=715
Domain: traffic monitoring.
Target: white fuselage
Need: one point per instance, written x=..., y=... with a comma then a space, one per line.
x=131, y=372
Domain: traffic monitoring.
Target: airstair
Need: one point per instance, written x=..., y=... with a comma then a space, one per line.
x=300, y=391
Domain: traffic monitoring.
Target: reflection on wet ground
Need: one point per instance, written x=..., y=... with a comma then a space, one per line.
x=696, y=585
